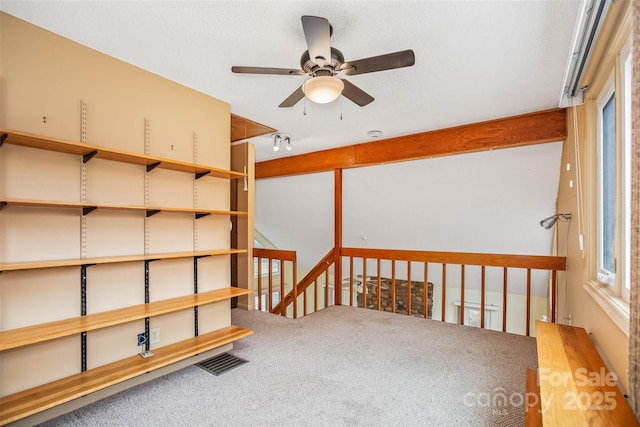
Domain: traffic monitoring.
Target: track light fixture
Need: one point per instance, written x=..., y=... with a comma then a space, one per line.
x=547, y=223
x=278, y=138
x=277, y=141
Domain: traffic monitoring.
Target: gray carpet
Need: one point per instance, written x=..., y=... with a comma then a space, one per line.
x=342, y=366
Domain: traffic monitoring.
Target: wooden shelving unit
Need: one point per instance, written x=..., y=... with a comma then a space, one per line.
x=48, y=331
x=37, y=399
x=88, y=151
x=46, y=396
x=88, y=208
x=15, y=266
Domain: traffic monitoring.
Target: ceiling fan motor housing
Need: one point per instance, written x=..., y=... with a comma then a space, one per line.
x=311, y=67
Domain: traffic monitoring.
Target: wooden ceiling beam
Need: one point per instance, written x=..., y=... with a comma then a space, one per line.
x=516, y=131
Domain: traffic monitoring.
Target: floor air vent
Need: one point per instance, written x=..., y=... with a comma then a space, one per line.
x=221, y=363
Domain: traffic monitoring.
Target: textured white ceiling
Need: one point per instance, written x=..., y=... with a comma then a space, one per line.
x=475, y=60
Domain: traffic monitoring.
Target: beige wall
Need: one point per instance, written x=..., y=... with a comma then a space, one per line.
x=44, y=75
x=610, y=339
x=243, y=156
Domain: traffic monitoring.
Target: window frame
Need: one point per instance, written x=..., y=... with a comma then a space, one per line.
x=625, y=65
x=611, y=295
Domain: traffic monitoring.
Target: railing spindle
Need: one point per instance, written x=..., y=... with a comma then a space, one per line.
x=409, y=288
x=426, y=290
x=326, y=288
x=351, y=281
x=528, y=300
x=270, y=298
x=364, y=282
x=379, y=285
x=444, y=289
x=283, y=310
x=462, y=269
x=259, y=283
x=504, y=300
x=393, y=285
x=482, y=288
x=316, y=296
x=295, y=290
x=554, y=284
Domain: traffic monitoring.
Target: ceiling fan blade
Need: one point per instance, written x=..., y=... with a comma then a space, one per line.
x=404, y=58
x=267, y=70
x=355, y=94
x=292, y=99
x=317, y=32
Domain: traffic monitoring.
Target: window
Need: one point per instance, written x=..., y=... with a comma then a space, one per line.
x=606, y=185
x=613, y=215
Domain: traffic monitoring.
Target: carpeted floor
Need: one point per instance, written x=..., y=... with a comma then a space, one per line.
x=342, y=366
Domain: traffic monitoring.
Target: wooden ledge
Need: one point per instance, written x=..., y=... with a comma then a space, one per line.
x=21, y=337
x=89, y=151
x=90, y=207
x=32, y=265
x=576, y=388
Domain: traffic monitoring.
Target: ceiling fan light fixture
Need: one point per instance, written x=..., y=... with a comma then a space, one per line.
x=323, y=89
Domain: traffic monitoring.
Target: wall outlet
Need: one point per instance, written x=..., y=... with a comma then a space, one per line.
x=142, y=339
x=154, y=337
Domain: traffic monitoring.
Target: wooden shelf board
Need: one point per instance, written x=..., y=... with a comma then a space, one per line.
x=21, y=337
x=563, y=351
x=32, y=265
x=101, y=206
x=25, y=139
x=37, y=399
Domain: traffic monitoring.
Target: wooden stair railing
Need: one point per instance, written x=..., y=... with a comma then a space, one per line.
x=321, y=267
x=281, y=256
x=521, y=272
x=453, y=261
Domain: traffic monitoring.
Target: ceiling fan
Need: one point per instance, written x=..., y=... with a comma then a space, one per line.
x=323, y=62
